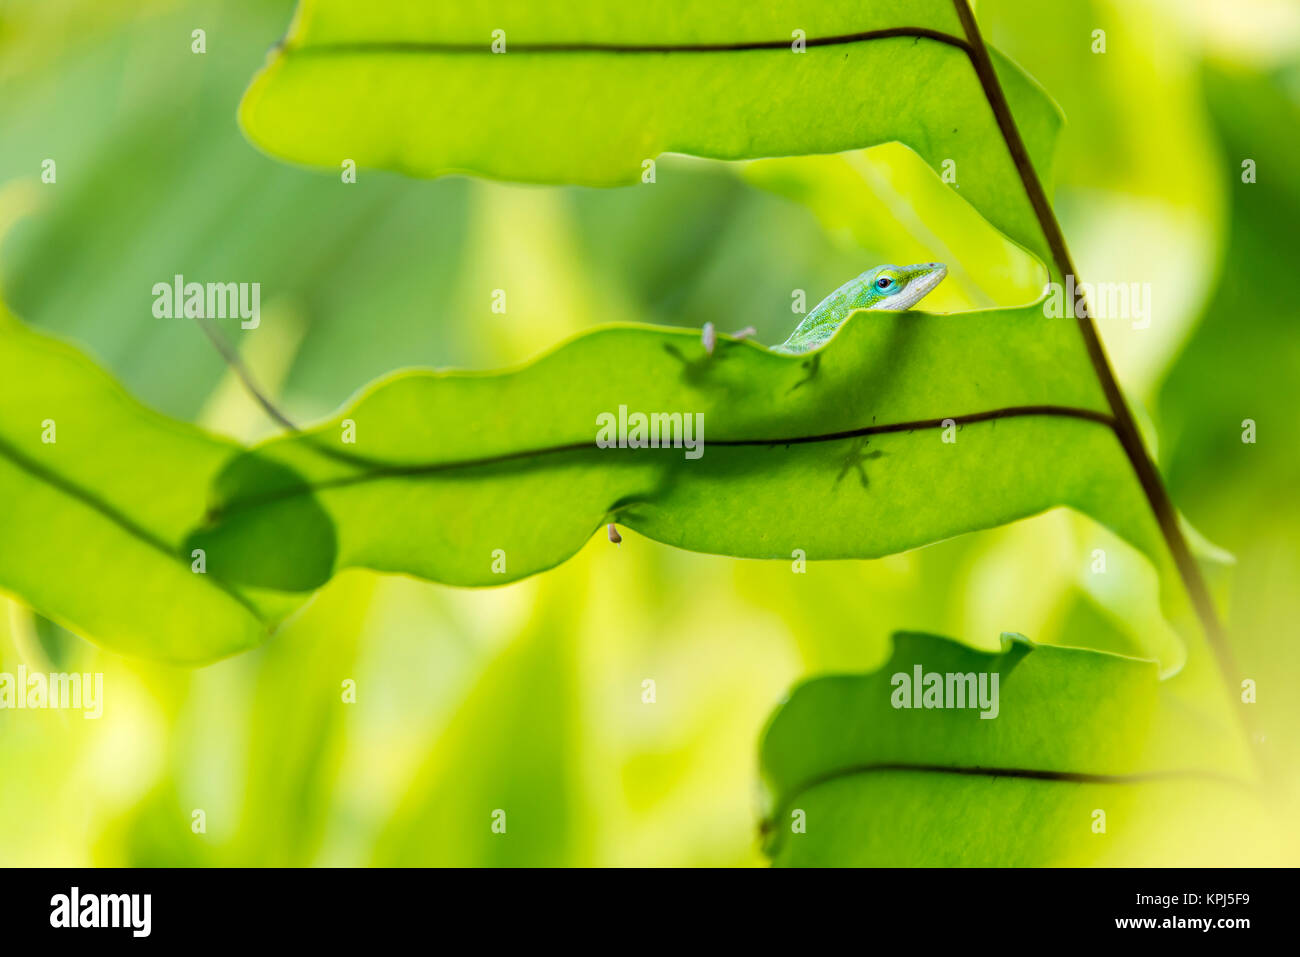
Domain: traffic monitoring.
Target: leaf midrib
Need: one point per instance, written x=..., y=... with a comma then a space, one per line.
x=119, y=518
x=378, y=47
x=379, y=471
x=1033, y=774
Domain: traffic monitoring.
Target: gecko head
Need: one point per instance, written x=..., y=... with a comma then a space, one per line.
x=901, y=287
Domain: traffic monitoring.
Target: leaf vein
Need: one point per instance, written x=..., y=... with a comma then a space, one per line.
x=43, y=474
x=429, y=47
x=378, y=470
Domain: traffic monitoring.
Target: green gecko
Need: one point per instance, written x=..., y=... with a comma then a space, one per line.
x=884, y=287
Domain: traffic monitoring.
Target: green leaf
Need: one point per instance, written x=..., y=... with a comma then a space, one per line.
x=588, y=92
x=852, y=779
x=480, y=479
x=94, y=520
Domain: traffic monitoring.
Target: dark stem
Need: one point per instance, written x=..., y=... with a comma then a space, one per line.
x=237, y=366
x=1123, y=424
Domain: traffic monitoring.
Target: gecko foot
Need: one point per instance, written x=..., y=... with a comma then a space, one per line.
x=856, y=459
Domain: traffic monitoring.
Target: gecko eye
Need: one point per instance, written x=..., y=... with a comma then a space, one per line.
x=884, y=282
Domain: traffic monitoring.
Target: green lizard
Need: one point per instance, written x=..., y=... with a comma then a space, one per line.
x=884, y=287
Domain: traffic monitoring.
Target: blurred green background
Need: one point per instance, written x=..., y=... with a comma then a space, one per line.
x=530, y=697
